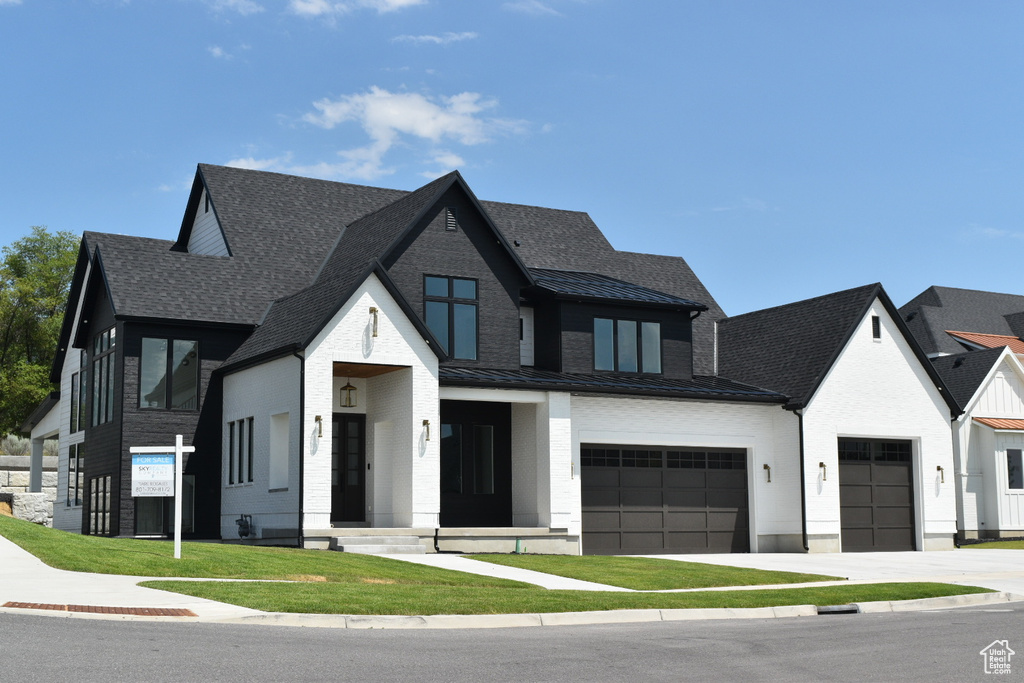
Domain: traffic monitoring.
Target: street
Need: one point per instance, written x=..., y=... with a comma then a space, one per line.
x=934, y=646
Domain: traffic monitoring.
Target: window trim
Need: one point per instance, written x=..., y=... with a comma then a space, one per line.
x=169, y=374
x=451, y=301
x=640, y=322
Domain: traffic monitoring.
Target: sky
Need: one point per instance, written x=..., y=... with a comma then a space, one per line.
x=785, y=149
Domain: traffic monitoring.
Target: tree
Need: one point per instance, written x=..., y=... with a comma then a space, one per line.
x=35, y=278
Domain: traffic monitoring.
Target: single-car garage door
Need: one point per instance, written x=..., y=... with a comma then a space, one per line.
x=651, y=500
x=876, y=495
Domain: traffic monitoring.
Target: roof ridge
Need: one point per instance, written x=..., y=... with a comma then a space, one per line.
x=876, y=287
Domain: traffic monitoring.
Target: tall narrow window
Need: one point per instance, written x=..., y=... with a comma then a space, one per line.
x=169, y=374
x=627, y=346
x=876, y=327
x=248, y=451
x=450, y=310
x=103, y=376
x=231, y=452
x=75, y=387
x=76, y=474
x=1014, y=473
x=279, y=451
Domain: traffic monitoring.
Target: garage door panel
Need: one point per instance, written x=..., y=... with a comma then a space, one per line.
x=892, y=495
x=858, y=539
x=855, y=495
x=858, y=516
x=876, y=494
x=893, y=517
x=681, y=506
x=893, y=538
x=891, y=473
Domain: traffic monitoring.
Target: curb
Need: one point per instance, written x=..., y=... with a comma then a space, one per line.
x=445, y=621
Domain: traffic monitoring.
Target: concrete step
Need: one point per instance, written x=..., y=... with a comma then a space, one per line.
x=378, y=545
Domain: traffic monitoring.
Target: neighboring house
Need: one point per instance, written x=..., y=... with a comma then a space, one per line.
x=988, y=437
x=872, y=417
x=352, y=361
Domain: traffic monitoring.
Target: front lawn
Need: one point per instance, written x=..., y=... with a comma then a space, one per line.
x=649, y=573
x=1003, y=545
x=338, y=598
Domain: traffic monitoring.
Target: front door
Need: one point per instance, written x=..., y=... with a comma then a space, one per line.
x=348, y=468
x=476, y=464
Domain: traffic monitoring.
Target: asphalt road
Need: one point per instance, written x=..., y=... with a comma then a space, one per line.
x=926, y=646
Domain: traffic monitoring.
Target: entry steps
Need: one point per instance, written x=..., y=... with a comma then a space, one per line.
x=378, y=545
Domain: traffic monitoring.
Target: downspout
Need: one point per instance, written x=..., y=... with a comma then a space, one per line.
x=803, y=484
x=302, y=444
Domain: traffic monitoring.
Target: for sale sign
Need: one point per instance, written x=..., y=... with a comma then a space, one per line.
x=153, y=475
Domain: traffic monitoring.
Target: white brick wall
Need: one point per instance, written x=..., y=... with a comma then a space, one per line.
x=767, y=432
x=404, y=466
x=260, y=392
x=878, y=389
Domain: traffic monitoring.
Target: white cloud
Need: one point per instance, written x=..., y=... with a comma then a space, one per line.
x=218, y=52
x=330, y=10
x=443, y=39
x=253, y=164
x=535, y=7
x=243, y=7
x=9, y=2
x=996, y=233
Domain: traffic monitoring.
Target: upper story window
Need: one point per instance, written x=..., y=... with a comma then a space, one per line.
x=627, y=345
x=169, y=374
x=79, y=390
x=103, y=346
x=450, y=310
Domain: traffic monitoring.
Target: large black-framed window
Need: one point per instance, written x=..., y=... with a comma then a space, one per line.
x=99, y=505
x=76, y=474
x=241, y=445
x=169, y=374
x=450, y=306
x=79, y=390
x=622, y=345
x=103, y=347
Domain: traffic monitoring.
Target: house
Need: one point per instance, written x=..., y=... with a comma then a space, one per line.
x=974, y=338
x=362, y=363
x=871, y=414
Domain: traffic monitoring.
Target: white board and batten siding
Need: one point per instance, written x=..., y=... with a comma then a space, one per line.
x=206, y=236
x=878, y=389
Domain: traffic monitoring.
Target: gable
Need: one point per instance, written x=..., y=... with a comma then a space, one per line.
x=468, y=248
x=206, y=236
x=1002, y=395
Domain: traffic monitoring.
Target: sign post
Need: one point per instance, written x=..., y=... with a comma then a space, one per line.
x=157, y=471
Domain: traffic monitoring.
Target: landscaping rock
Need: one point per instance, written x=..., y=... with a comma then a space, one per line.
x=32, y=507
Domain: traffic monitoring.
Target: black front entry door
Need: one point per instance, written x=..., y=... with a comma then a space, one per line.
x=476, y=464
x=348, y=468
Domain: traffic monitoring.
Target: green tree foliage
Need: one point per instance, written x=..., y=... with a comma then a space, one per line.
x=35, y=277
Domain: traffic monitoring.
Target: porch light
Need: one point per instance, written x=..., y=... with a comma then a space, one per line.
x=319, y=426
x=373, y=312
x=768, y=469
x=942, y=474
x=426, y=428
x=824, y=470
x=348, y=395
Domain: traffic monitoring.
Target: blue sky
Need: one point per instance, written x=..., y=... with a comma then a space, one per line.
x=785, y=149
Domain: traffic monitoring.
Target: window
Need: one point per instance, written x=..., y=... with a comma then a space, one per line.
x=99, y=506
x=450, y=311
x=76, y=474
x=240, y=451
x=103, y=377
x=169, y=374
x=627, y=346
x=876, y=327
x=1015, y=475
x=278, y=452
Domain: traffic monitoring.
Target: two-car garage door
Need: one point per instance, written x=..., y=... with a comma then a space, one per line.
x=650, y=500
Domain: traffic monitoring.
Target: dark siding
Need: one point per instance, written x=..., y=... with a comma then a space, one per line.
x=472, y=251
x=577, y=339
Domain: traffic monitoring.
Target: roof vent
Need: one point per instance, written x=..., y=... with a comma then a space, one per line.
x=451, y=219
x=911, y=316
x=958, y=362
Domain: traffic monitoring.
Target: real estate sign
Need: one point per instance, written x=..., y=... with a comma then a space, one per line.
x=153, y=475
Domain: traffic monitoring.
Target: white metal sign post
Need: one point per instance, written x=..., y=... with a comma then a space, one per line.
x=151, y=477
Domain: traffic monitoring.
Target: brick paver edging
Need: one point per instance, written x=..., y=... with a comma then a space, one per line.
x=93, y=609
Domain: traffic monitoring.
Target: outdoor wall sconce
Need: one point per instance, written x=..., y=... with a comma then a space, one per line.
x=942, y=474
x=348, y=395
x=768, y=469
x=373, y=312
x=426, y=428
x=319, y=426
x=824, y=470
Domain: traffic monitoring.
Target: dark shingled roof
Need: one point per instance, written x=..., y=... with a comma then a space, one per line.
x=963, y=373
x=790, y=348
x=714, y=388
x=938, y=309
x=596, y=286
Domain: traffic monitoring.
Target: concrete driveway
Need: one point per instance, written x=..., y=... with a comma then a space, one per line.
x=1001, y=570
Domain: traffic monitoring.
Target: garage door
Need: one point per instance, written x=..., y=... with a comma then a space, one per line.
x=876, y=494
x=663, y=500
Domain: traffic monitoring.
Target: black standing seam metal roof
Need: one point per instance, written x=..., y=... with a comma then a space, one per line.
x=791, y=348
x=716, y=388
x=596, y=286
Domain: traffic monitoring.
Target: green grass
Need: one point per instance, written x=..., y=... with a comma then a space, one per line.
x=334, y=598
x=135, y=557
x=649, y=573
x=1005, y=545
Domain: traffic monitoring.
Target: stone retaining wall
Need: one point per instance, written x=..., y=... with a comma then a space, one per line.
x=14, y=488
